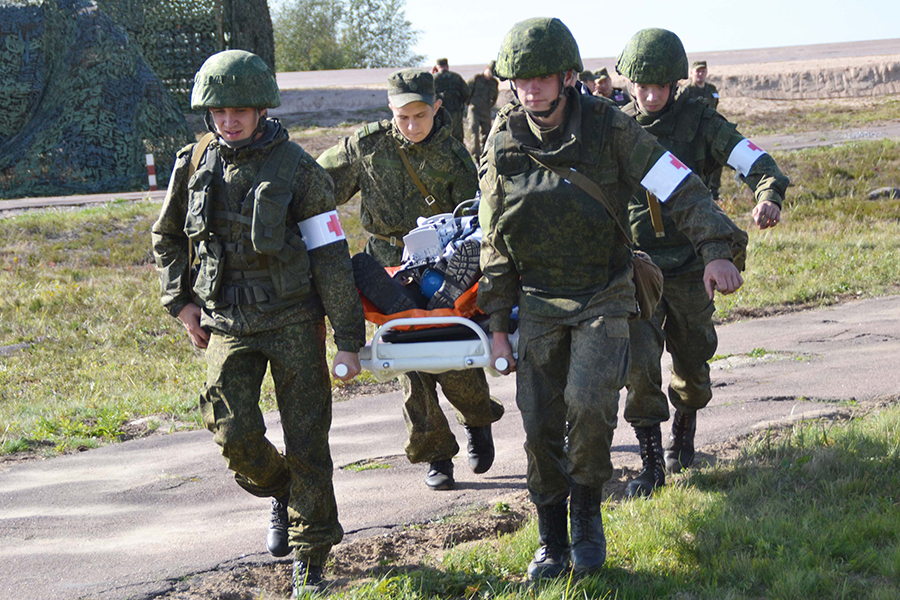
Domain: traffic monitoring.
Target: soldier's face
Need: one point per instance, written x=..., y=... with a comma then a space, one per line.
x=603, y=87
x=591, y=85
x=651, y=97
x=537, y=93
x=236, y=124
x=415, y=120
x=698, y=76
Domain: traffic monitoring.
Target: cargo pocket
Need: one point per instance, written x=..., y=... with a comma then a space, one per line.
x=269, y=210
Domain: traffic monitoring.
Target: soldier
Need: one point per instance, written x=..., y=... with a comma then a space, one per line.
x=273, y=261
x=603, y=87
x=407, y=168
x=484, y=89
x=654, y=60
x=587, y=79
x=551, y=247
x=705, y=92
x=453, y=92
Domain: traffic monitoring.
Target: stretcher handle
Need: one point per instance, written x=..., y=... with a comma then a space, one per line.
x=430, y=321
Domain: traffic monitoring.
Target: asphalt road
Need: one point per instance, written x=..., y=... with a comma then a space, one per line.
x=128, y=520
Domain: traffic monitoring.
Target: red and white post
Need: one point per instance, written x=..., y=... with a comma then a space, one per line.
x=151, y=172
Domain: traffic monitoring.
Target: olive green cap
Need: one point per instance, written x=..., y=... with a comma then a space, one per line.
x=653, y=57
x=586, y=76
x=698, y=64
x=442, y=62
x=602, y=74
x=235, y=79
x=538, y=47
x=410, y=85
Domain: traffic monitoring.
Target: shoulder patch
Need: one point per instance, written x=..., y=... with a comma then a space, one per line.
x=370, y=128
x=618, y=119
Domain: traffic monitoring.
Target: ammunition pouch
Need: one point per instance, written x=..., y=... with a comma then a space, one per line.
x=267, y=231
x=289, y=269
x=209, y=274
x=200, y=191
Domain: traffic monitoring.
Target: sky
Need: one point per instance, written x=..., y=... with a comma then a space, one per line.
x=471, y=31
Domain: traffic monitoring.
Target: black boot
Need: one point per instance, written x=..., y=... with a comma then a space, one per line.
x=388, y=295
x=588, y=539
x=463, y=270
x=307, y=579
x=680, y=447
x=440, y=475
x=277, y=537
x=653, y=475
x=552, y=558
x=480, y=447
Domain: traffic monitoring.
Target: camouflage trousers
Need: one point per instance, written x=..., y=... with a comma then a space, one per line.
x=230, y=409
x=430, y=438
x=570, y=374
x=457, y=129
x=683, y=325
x=479, y=127
x=715, y=182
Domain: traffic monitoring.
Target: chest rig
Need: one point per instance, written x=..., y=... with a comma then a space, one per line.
x=247, y=251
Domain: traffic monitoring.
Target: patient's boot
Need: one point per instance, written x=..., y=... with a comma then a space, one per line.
x=463, y=270
x=375, y=284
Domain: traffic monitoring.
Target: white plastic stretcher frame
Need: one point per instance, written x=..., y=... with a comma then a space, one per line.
x=386, y=360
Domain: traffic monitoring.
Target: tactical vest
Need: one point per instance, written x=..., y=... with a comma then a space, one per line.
x=562, y=241
x=251, y=257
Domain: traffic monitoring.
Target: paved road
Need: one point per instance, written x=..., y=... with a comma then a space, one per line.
x=125, y=521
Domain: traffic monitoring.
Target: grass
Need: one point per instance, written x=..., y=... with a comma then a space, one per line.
x=786, y=117
x=812, y=512
x=81, y=294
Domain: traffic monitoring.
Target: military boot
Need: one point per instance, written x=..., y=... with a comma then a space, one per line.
x=440, y=475
x=277, y=537
x=307, y=580
x=552, y=558
x=588, y=539
x=653, y=475
x=680, y=447
x=387, y=294
x=480, y=448
x=463, y=270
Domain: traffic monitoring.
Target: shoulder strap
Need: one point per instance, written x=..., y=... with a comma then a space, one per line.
x=592, y=189
x=196, y=156
x=429, y=199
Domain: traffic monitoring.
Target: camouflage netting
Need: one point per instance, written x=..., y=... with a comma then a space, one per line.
x=176, y=36
x=81, y=108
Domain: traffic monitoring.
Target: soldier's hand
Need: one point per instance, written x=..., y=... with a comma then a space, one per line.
x=766, y=214
x=190, y=318
x=722, y=275
x=349, y=361
x=503, y=349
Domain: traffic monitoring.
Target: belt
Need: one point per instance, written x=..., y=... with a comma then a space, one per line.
x=392, y=240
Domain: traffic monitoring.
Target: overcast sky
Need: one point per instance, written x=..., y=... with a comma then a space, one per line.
x=470, y=31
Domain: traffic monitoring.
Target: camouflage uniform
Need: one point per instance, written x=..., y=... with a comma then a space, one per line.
x=368, y=162
x=251, y=327
x=709, y=95
x=484, y=94
x=617, y=95
x=453, y=91
x=553, y=250
x=703, y=140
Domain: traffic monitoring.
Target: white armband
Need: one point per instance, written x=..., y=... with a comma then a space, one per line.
x=321, y=230
x=744, y=155
x=663, y=177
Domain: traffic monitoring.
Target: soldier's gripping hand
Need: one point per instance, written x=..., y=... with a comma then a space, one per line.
x=766, y=214
x=346, y=365
x=503, y=349
x=722, y=275
x=190, y=318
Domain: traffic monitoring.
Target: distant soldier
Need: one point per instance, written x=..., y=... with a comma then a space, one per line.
x=603, y=87
x=587, y=78
x=654, y=61
x=453, y=92
x=709, y=95
x=404, y=169
x=484, y=89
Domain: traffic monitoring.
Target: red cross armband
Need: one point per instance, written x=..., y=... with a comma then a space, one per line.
x=744, y=154
x=664, y=176
x=321, y=230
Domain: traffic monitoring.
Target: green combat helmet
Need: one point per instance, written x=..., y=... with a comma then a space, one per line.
x=653, y=57
x=235, y=79
x=537, y=47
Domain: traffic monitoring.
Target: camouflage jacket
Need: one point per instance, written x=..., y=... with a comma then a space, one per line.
x=333, y=291
x=452, y=89
x=620, y=96
x=556, y=241
x=368, y=162
x=483, y=97
x=703, y=140
x=708, y=94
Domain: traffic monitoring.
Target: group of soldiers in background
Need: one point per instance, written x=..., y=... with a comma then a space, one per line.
x=570, y=186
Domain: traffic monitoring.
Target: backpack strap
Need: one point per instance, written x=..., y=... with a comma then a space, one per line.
x=426, y=195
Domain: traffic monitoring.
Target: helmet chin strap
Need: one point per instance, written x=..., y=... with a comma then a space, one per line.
x=260, y=128
x=543, y=114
